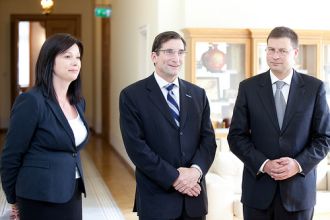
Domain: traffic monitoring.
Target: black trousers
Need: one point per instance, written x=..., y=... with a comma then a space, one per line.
x=276, y=211
x=39, y=210
x=180, y=218
x=183, y=216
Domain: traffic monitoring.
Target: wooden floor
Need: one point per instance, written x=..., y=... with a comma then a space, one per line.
x=116, y=174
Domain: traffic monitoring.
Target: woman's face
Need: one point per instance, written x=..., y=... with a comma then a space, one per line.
x=67, y=64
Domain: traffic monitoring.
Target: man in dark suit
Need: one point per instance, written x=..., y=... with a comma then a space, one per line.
x=167, y=132
x=280, y=130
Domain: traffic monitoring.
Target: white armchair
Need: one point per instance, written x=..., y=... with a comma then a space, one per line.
x=224, y=181
x=322, y=210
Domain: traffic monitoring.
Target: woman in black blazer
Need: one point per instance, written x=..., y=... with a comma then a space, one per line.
x=41, y=172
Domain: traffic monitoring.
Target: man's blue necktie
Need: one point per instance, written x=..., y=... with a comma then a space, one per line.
x=174, y=108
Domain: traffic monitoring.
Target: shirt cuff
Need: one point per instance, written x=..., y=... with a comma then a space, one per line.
x=300, y=169
x=199, y=170
x=261, y=169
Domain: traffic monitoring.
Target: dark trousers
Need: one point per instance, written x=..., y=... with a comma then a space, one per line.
x=184, y=216
x=39, y=210
x=276, y=211
x=180, y=218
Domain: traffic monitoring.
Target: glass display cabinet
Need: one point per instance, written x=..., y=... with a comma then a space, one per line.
x=217, y=60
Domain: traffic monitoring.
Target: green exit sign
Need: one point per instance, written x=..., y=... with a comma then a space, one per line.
x=103, y=12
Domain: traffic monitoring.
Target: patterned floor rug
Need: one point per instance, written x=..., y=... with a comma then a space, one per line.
x=99, y=203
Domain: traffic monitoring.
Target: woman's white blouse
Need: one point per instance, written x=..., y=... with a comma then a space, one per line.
x=79, y=132
x=79, y=129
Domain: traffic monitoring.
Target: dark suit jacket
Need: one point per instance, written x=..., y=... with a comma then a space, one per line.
x=39, y=158
x=158, y=147
x=255, y=136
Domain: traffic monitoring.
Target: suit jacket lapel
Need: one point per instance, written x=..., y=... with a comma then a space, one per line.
x=157, y=98
x=185, y=98
x=267, y=98
x=61, y=118
x=296, y=93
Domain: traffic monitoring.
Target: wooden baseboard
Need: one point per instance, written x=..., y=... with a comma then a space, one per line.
x=129, y=168
x=92, y=131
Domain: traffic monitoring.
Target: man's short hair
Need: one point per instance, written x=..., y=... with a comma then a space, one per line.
x=280, y=32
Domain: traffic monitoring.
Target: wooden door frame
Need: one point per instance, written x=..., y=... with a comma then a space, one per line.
x=105, y=76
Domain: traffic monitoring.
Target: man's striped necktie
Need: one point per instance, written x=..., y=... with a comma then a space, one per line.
x=174, y=108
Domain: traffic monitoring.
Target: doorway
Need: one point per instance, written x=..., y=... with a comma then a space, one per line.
x=28, y=32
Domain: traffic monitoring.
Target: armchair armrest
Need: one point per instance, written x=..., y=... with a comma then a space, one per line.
x=328, y=179
x=220, y=198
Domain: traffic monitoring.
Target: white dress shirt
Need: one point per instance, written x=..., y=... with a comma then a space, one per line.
x=285, y=88
x=162, y=83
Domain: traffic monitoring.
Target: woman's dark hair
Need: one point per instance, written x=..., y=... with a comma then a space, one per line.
x=164, y=37
x=54, y=45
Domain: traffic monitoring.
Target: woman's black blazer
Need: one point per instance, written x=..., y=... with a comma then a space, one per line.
x=39, y=158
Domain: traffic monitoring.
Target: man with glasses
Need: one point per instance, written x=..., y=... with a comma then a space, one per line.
x=168, y=135
x=280, y=130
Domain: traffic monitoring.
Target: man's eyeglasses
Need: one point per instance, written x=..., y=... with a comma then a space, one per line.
x=171, y=52
x=281, y=52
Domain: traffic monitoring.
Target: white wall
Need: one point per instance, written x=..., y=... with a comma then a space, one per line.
x=127, y=19
x=297, y=14
x=171, y=15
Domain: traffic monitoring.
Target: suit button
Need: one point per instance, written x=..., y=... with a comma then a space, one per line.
x=181, y=133
x=74, y=154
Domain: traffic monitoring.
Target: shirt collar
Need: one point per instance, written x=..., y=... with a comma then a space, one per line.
x=287, y=79
x=163, y=83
